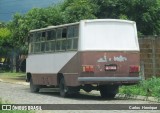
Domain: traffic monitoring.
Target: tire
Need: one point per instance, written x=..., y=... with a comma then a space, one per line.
x=63, y=88
x=108, y=91
x=33, y=88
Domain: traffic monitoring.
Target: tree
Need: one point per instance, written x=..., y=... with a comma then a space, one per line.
x=146, y=13
x=5, y=45
x=76, y=10
x=5, y=37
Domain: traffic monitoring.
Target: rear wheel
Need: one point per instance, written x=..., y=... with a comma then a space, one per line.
x=108, y=91
x=33, y=88
x=63, y=88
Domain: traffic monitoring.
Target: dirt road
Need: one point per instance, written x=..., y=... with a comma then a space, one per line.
x=20, y=94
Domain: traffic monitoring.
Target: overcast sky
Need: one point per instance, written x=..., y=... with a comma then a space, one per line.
x=9, y=7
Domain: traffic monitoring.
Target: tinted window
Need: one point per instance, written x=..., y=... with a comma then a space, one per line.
x=51, y=35
x=59, y=33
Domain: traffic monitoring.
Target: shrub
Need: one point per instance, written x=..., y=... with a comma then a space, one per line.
x=149, y=87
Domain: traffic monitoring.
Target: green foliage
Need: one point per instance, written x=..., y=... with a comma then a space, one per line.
x=34, y=19
x=149, y=87
x=76, y=10
x=5, y=40
x=39, y=17
x=146, y=13
x=14, y=111
x=4, y=33
x=18, y=30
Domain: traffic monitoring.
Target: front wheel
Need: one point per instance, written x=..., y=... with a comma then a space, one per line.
x=108, y=91
x=33, y=88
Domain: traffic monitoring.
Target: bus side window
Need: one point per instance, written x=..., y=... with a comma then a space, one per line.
x=31, y=41
x=31, y=48
x=75, y=31
x=59, y=33
x=51, y=35
x=72, y=38
x=43, y=46
x=36, y=47
x=43, y=36
x=64, y=33
x=37, y=37
x=64, y=36
x=61, y=39
x=50, y=42
x=31, y=38
x=53, y=44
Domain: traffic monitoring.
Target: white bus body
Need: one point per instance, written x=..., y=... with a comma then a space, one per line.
x=104, y=52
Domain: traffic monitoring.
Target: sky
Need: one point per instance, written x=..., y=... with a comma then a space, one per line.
x=9, y=7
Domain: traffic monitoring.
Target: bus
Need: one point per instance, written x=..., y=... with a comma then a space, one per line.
x=98, y=54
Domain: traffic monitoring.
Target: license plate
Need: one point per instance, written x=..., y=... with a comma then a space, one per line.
x=110, y=67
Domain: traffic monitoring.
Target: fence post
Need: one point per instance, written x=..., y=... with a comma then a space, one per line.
x=154, y=56
x=142, y=72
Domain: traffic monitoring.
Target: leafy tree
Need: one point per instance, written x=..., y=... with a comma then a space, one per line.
x=5, y=43
x=5, y=36
x=146, y=13
x=43, y=17
x=2, y=24
x=76, y=10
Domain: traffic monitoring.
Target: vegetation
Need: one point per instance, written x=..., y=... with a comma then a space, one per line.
x=14, y=34
x=14, y=111
x=149, y=87
x=9, y=74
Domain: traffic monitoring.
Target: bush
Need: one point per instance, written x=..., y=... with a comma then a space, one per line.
x=14, y=111
x=149, y=87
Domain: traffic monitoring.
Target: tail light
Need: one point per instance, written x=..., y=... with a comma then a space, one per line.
x=88, y=68
x=134, y=68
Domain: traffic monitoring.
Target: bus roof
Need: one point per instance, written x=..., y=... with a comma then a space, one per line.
x=52, y=27
x=92, y=20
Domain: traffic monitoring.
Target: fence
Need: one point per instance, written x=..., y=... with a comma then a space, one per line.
x=150, y=55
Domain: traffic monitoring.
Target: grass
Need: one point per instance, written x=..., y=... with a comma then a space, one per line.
x=149, y=87
x=12, y=111
x=11, y=74
x=12, y=77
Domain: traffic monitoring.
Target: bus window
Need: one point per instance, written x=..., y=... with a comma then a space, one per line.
x=37, y=37
x=59, y=33
x=43, y=36
x=52, y=45
x=69, y=44
x=51, y=35
x=61, y=39
x=64, y=33
x=42, y=46
x=75, y=31
x=31, y=48
x=75, y=43
x=48, y=46
x=72, y=38
x=72, y=31
x=63, y=42
x=31, y=37
x=58, y=45
x=36, y=47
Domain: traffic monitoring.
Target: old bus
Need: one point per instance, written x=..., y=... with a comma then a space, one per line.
x=99, y=54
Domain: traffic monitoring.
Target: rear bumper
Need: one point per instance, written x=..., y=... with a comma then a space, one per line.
x=109, y=79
